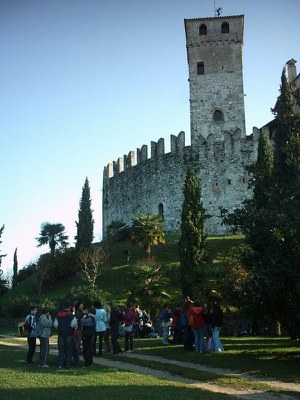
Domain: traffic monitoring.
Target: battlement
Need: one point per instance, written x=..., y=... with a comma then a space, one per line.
x=157, y=152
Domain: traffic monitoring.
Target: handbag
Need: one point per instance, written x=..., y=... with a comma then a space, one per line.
x=128, y=328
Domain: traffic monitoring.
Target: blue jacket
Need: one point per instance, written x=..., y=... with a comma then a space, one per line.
x=65, y=323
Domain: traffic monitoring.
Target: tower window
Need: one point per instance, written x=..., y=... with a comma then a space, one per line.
x=161, y=211
x=218, y=116
x=200, y=68
x=203, y=30
x=225, y=27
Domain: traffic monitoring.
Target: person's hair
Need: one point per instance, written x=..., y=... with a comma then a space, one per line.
x=197, y=303
x=33, y=308
x=97, y=304
x=45, y=310
x=129, y=304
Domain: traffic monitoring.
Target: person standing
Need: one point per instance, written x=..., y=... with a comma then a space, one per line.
x=106, y=336
x=88, y=333
x=31, y=339
x=130, y=317
x=46, y=323
x=100, y=318
x=115, y=319
x=196, y=321
x=217, y=323
x=65, y=323
x=77, y=337
x=166, y=323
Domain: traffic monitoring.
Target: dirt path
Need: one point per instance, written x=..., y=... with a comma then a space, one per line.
x=246, y=394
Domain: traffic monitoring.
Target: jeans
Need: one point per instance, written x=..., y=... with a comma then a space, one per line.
x=65, y=347
x=165, y=334
x=129, y=341
x=199, y=339
x=44, y=350
x=100, y=334
x=31, y=348
x=216, y=339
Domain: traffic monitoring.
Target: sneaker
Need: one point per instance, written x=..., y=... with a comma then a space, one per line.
x=44, y=366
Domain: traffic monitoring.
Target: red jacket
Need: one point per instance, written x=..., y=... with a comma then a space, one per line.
x=198, y=314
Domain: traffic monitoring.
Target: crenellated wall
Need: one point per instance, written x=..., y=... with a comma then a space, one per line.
x=149, y=185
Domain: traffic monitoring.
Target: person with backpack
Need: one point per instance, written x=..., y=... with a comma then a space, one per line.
x=30, y=324
x=65, y=323
x=45, y=323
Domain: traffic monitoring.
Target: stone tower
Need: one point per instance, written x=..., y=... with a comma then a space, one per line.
x=214, y=53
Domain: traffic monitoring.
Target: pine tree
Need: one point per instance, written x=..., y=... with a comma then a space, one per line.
x=192, y=249
x=85, y=224
x=15, y=268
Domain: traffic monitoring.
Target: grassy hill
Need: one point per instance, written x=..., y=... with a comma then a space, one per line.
x=119, y=278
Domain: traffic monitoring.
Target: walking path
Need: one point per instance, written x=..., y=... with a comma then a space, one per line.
x=245, y=394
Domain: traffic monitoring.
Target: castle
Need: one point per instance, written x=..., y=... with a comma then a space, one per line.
x=152, y=183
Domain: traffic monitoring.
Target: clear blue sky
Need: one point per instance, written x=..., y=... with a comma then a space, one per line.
x=85, y=81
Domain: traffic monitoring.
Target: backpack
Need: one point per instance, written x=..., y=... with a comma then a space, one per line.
x=24, y=327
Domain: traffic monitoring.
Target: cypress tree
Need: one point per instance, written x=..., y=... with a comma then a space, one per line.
x=192, y=249
x=85, y=224
x=15, y=268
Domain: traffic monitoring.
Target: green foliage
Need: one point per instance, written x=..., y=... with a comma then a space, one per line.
x=86, y=294
x=3, y=282
x=46, y=302
x=192, y=250
x=147, y=231
x=150, y=283
x=19, y=305
x=54, y=235
x=271, y=223
x=85, y=224
x=62, y=266
x=15, y=268
x=24, y=273
x=117, y=231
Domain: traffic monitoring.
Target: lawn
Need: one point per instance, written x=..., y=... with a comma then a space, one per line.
x=18, y=380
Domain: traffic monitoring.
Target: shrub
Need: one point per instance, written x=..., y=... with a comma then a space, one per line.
x=86, y=294
x=19, y=305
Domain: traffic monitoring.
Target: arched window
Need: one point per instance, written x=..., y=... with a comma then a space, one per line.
x=200, y=68
x=218, y=116
x=161, y=210
x=225, y=27
x=203, y=29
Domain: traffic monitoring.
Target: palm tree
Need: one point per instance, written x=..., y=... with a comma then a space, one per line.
x=52, y=234
x=147, y=231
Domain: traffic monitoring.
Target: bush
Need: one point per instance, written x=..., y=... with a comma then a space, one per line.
x=86, y=294
x=19, y=306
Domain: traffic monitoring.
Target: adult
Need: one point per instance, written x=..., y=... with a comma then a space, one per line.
x=31, y=339
x=115, y=318
x=88, y=333
x=106, y=336
x=196, y=321
x=130, y=318
x=217, y=323
x=100, y=318
x=46, y=323
x=77, y=337
x=166, y=323
x=188, y=337
x=65, y=323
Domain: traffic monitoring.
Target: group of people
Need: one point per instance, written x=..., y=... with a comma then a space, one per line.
x=197, y=326
x=96, y=330
x=81, y=330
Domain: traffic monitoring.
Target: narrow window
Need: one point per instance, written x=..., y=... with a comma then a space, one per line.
x=200, y=68
x=225, y=27
x=229, y=181
x=218, y=115
x=203, y=30
x=161, y=210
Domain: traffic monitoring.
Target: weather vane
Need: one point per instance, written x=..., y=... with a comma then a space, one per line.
x=218, y=11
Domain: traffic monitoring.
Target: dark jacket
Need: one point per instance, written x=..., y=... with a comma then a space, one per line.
x=88, y=324
x=217, y=316
x=65, y=323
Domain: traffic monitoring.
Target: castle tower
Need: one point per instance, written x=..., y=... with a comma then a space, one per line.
x=214, y=53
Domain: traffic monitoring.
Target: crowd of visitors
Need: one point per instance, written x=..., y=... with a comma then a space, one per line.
x=97, y=330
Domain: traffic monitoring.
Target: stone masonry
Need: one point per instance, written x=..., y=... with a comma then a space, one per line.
x=142, y=183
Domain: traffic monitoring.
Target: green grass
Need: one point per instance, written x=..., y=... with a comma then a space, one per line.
x=278, y=358
x=18, y=380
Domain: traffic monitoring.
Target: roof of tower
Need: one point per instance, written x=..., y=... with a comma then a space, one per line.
x=216, y=18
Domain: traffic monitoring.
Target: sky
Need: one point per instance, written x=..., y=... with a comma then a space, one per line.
x=84, y=82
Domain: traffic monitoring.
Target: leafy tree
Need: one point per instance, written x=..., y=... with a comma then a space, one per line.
x=54, y=235
x=192, y=250
x=271, y=222
x=117, y=231
x=15, y=269
x=147, y=231
x=85, y=224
